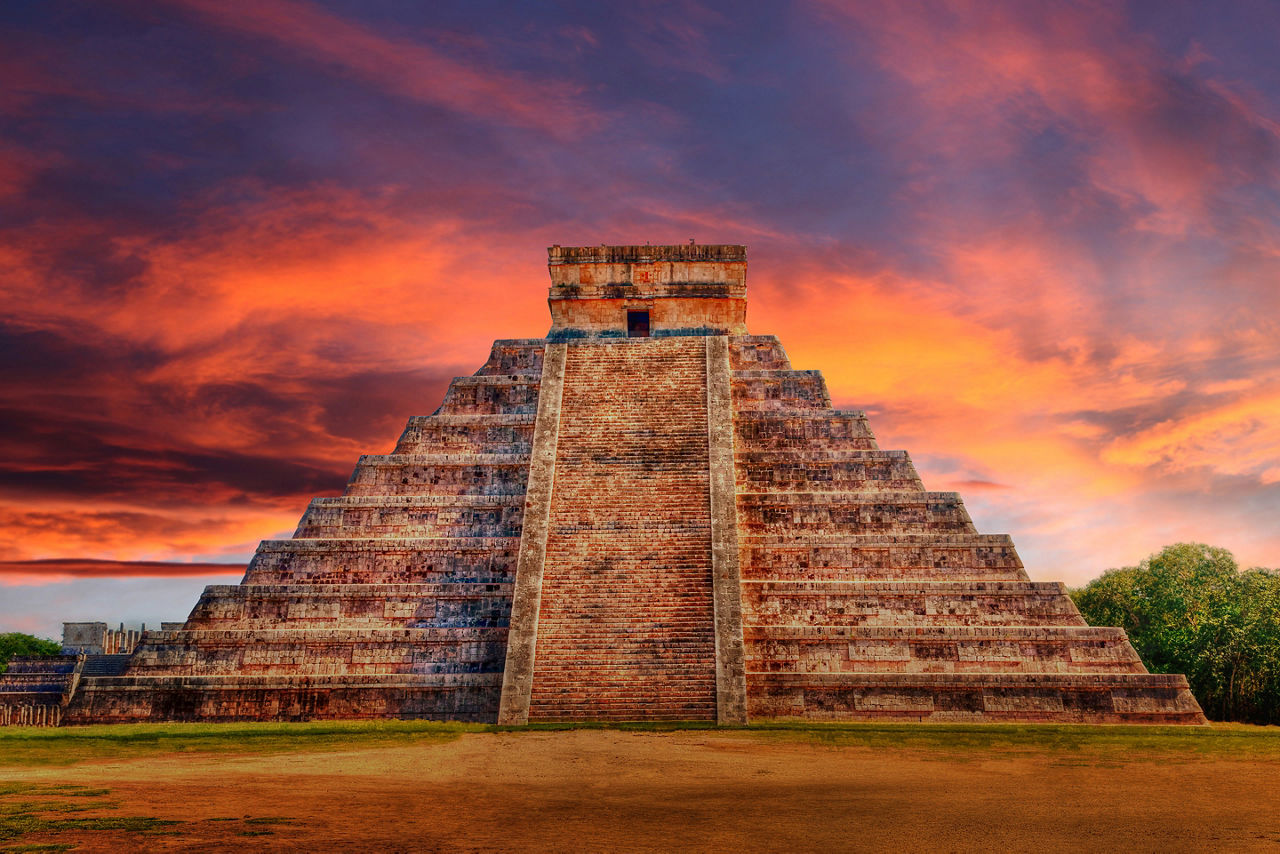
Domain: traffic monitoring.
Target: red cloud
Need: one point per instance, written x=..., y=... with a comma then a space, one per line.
x=64, y=569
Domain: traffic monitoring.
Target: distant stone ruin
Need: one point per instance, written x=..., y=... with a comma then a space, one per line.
x=646, y=515
x=99, y=639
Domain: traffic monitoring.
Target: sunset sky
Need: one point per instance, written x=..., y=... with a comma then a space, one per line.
x=241, y=243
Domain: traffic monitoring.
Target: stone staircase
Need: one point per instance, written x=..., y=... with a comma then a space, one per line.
x=111, y=664
x=865, y=597
x=626, y=628
x=391, y=600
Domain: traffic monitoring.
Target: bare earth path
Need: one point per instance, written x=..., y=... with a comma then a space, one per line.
x=611, y=790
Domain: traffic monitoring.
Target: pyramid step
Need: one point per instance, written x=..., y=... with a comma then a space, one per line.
x=880, y=557
x=440, y=474
x=853, y=471
x=515, y=356
x=384, y=560
x=806, y=378
x=779, y=389
x=430, y=696
x=415, y=516
x=640, y=713
x=807, y=429
x=806, y=513
x=907, y=603
x=259, y=606
x=508, y=394
x=29, y=683
x=757, y=352
x=440, y=588
x=474, y=419
x=1019, y=697
x=312, y=651
x=478, y=434
x=104, y=665
x=785, y=456
x=289, y=633
x=56, y=665
x=949, y=649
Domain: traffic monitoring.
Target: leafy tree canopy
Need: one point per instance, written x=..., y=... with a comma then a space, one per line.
x=1189, y=609
x=16, y=643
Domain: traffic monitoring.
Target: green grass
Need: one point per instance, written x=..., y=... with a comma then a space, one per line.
x=27, y=810
x=40, y=810
x=33, y=747
x=1115, y=743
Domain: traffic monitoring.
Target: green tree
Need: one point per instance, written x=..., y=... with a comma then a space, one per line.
x=1190, y=610
x=16, y=643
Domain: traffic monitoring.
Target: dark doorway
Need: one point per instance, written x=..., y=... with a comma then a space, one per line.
x=637, y=324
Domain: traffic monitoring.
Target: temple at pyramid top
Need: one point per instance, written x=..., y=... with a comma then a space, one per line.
x=647, y=291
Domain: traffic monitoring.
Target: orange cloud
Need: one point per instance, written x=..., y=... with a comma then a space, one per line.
x=1241, y=437
x=49, y=530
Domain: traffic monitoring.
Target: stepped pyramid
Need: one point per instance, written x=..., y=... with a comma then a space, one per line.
x=645, y=515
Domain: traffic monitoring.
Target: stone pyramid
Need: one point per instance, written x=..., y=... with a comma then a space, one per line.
x=646, y=515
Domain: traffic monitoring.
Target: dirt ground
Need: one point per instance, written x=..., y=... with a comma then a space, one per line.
x=610, y=790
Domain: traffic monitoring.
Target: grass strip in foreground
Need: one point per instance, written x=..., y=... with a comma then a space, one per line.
x=33, y=747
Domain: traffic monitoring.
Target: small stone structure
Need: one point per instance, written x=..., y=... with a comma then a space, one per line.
x=646, y=515
x=98, y=639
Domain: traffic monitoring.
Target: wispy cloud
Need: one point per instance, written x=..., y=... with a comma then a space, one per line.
x=411, y=68
x=69, y=569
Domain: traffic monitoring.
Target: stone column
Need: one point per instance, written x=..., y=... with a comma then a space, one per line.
x=731, y=678
x=522, y=638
